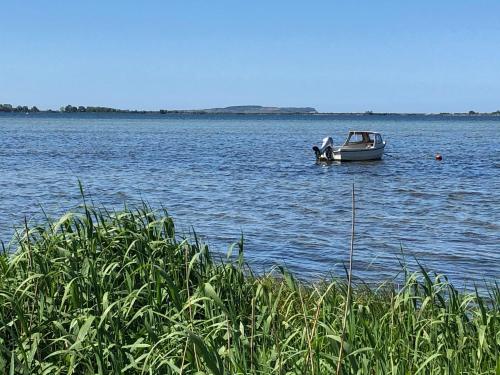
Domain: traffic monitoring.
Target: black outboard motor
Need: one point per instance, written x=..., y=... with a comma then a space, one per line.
x=317, y=152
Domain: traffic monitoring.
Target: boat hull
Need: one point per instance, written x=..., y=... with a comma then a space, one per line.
x=358, y=154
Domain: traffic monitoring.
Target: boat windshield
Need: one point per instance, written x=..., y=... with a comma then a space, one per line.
x=356, y=138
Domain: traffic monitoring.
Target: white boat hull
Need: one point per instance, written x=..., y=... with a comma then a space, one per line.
x=345, y=154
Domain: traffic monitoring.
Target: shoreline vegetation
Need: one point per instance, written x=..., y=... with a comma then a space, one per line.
x=232, y=110
x=120, y=292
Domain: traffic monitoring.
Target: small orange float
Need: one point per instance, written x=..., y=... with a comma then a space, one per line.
x=439, y=157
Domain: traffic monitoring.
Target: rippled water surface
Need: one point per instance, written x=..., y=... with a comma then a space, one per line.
x=256, y=175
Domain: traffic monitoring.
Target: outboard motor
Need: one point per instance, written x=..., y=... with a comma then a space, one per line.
x=326, y=150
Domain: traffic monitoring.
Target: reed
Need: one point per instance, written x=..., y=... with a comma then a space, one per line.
x=121, y=293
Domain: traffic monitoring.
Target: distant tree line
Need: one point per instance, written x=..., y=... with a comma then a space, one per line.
x=91, y=109
x=479, y=113
x=71, y=109
x=19, y=108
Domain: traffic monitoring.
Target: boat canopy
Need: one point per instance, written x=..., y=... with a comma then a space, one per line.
x=357, y=137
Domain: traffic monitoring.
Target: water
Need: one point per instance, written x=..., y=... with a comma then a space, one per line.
x=256, y=175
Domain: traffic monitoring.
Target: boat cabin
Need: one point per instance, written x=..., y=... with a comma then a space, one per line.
x=363, y=139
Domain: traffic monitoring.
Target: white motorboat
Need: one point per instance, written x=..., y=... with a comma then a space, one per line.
x=359, y=146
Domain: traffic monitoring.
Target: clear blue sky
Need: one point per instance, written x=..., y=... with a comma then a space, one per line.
x=402, y=56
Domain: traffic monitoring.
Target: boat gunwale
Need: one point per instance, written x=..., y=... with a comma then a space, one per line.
x=359, y=150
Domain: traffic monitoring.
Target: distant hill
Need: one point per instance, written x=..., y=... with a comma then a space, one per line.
x=256, y=109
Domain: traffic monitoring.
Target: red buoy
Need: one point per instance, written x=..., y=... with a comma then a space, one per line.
x=439, y=157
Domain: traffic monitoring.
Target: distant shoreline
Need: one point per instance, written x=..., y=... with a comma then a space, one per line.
x=233, y=110
x=201, y=114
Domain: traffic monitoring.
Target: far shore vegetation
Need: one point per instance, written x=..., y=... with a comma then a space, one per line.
x=99, y=292
x=238, y=110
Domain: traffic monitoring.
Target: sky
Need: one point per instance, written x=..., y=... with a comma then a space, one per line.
x=336, y=56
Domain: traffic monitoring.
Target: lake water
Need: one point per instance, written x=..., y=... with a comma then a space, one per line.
x=256, y=175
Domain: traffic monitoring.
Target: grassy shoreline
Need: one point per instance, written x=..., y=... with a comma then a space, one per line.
x=109, y=293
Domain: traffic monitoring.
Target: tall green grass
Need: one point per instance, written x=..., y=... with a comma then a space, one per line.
x=119, y=293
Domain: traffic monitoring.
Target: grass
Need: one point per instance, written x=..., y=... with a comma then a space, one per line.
x=120, y=293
